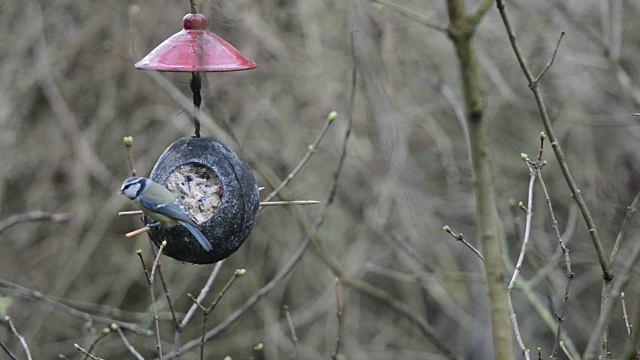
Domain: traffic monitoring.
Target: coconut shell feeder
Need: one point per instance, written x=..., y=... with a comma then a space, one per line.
x=214, y=184
x=218, y=190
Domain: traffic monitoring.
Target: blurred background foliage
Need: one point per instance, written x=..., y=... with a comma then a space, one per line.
x=69, y=94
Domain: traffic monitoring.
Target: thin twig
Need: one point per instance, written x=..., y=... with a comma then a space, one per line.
x=292, y=329
x=553, y=57
x=150, y=278
x=128, y=142
x=192, y=310
x=334, y=356
x=461, y=238
x=477, y=15
x=413, y=15
x=206, y=311
x=533, y=85
x=527, y=228
x=310, y=151
x=36, y=295
x=541, y=307
x=625, y=317
x=106, y=331
x=256, y=349
x=566, y=351
x=20, y=338
x=620, y=281
x=33, y=216
x=126, y=343
x=167, y=294
x=82, y=350
x=631, y=210
x=516, y=329
x=236, y=274
x=565, y=251
x=6, y=350
x=203, y=293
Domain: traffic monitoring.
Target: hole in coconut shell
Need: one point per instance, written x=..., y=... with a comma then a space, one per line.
x=198, y=188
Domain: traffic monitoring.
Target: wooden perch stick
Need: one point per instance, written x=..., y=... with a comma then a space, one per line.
x=264, y=203
x=137, y=232
x=293, y=202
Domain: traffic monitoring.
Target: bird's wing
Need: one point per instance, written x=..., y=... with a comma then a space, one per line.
x=174, y=210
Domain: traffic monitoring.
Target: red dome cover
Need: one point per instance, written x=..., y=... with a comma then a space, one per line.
x=195, y=49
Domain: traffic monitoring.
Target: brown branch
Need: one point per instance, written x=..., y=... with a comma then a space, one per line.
x=126, y=343
x=516, y=329
x=7, y=351
x=631, y=210
x=553, y=57
x=412, y=15
x=292, y=329
x=460, y=237
x=206, y=311
x=105, y=332
x=82, y=350
x=36, y=295
x=204, y=291
x=461, y=30
x=336, y=352
x=620, y=281
x=565, y=251
x=150, y=280
x=577, y=195
x=20, y=338
x=33, y=216
x=310, y=151
x=477, y=15
x=128, y=142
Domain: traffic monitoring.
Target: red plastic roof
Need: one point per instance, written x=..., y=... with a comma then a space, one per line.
x=195, y=49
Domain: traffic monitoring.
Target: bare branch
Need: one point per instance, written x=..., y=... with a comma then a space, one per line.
x=33, y=216
x=595, y=237
x=553, y=57
x=20, y=338
x=310, y=151
x=461, y=238
x=131, y=349
x=292, y=329
x=477, y=15
x=631, y=210
x=36, y=295
x=413, y=15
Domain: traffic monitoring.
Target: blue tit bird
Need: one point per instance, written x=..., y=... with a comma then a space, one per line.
x=160, y=204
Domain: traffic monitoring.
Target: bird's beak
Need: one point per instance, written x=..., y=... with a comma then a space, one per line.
x=120, y=192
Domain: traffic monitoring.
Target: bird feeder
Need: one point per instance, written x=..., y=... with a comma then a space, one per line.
x=214, y=184
x=219, y=192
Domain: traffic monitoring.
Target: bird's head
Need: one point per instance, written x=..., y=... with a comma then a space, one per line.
x=133, y=186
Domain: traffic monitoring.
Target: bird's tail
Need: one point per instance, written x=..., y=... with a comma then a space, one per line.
x=198, y=235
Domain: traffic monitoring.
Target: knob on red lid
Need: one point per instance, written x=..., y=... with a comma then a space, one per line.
x=195, y=49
